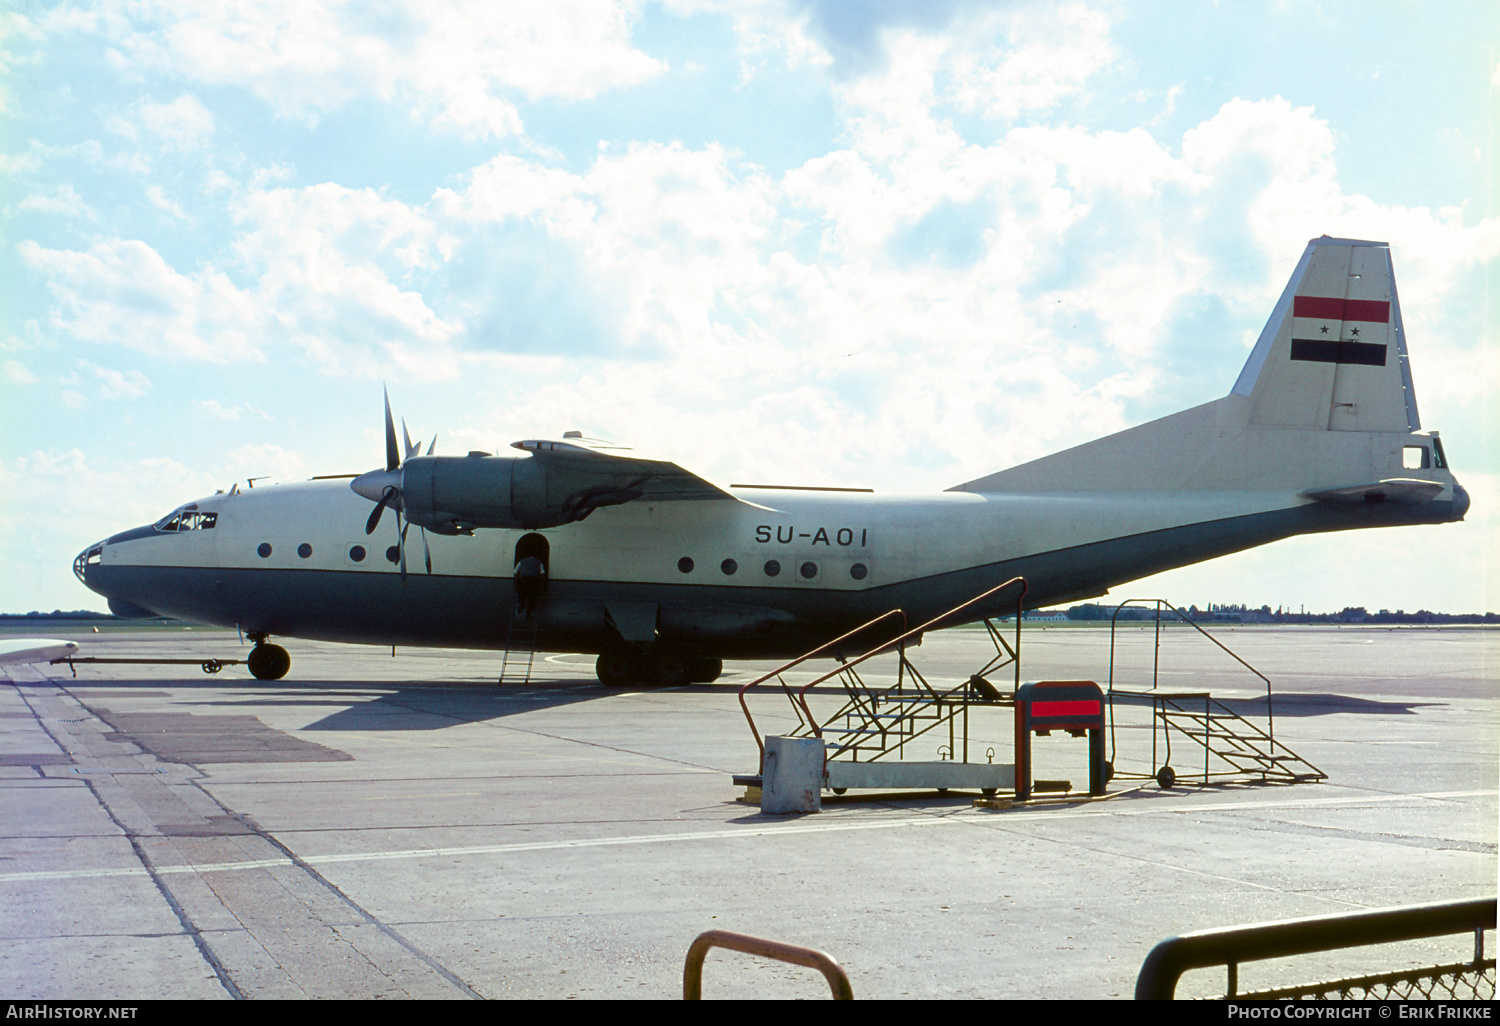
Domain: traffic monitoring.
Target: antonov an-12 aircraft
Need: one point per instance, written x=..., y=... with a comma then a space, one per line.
x=664, y=575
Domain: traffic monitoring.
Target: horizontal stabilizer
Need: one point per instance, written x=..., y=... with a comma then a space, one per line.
x=1403, y=491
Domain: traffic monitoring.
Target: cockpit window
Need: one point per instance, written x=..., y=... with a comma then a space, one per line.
x=187, y=518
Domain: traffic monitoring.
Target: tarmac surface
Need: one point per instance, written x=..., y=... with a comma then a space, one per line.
x=379, y=827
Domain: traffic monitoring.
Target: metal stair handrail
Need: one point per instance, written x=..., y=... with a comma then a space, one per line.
x=820, y=650
x=1156, y=656
x=900, y=642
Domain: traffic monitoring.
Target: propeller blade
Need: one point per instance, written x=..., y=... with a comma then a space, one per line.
x=385, y=500
x=426, y=552
x=401, y=543
x=432, y=445
x=392, y=454
x=411, y=450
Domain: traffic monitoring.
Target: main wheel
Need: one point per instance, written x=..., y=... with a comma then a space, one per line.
x=269, y=662
x=618, y=669
x=668, y=669
x=705, y=669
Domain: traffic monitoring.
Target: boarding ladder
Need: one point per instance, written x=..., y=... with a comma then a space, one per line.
x=1232, y=745
x=520, y=649
x=880, y=722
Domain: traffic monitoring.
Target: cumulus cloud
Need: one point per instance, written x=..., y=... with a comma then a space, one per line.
x=331, y=263
x=115, y=384
x=328, y=271
x=159, y=199
x=460, y=63
x=62, y=200
x=184, y=123
x=217, y=410
x=17, y=373
x=122, y=291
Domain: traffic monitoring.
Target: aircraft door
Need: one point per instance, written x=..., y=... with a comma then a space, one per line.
x=532, y=569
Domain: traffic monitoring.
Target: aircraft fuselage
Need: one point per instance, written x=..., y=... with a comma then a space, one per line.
x=727, y=579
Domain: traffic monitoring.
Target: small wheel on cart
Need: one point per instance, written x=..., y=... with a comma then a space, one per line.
x=1166, y=777
x=839, y=790
x=988, y=792
x=1109, y=771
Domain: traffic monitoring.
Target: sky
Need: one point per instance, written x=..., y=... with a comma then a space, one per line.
x=821, y=242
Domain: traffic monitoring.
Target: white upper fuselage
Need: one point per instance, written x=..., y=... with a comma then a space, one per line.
x=815, y=539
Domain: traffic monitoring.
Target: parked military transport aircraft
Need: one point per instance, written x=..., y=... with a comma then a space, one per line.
x=664, y=574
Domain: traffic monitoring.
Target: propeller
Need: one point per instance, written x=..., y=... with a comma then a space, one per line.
x=383, y=487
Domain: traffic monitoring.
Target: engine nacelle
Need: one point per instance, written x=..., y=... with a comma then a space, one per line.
x=456, y=494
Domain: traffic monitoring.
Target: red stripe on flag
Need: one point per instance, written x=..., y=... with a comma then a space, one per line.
x=1318, y=306
x=1376, y=311
x=1064, y=708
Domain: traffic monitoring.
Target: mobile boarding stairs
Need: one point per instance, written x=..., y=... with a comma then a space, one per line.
x=868, y=740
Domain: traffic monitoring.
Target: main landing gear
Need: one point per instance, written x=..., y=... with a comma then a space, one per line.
x=662, y=668
x=267, y=662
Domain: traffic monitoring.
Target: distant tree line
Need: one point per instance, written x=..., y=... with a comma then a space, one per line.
x=58, y=614
x=1216, y=613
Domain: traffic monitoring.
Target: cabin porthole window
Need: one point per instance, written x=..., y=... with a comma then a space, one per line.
x=729, y=567
x=393, y=554
x=685, y=564
x=772, y=568
x=357, y=553
x=264, y=550
x=859, y=571
x=304, y=550
x=809, y=570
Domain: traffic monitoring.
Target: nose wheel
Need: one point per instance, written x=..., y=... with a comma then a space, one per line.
x=268, y=662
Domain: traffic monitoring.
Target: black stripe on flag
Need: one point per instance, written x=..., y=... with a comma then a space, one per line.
x=1322, y=350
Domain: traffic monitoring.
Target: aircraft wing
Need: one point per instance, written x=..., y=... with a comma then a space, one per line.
x=657, y=480
x=1403, y=491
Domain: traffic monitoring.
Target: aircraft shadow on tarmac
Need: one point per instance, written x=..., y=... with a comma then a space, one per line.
x=397, y=705
x=1304, y=704
x=360, y=705
x=368, y=705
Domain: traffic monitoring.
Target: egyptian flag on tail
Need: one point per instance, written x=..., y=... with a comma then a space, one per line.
x=1330, y=329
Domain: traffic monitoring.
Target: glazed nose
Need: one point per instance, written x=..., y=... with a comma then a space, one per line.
x=88, y=557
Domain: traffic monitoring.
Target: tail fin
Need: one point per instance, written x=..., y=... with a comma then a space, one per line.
x=1333, y=355
x=1323, y=406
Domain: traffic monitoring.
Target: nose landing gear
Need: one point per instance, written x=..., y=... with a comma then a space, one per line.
x=267, y=662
